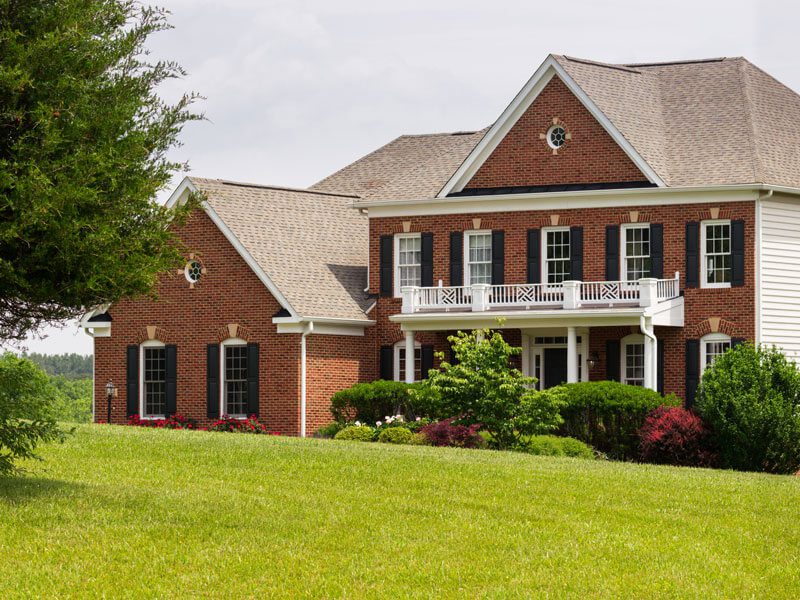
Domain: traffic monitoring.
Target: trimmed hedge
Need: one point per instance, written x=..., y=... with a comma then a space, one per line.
x=607, y=415
x=553, y=445
x=356, y=433
x=400, y=435
x=371, y=402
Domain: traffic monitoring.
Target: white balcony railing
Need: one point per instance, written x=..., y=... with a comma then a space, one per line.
x=567, y=295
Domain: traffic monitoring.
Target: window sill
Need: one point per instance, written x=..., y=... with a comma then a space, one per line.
x=715, y=286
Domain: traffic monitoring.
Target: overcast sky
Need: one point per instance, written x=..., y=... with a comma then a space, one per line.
x=296, y=89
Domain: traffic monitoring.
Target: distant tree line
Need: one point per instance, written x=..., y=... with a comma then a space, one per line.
x=69, y=365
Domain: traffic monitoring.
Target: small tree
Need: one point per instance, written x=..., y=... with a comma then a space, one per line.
x=750, y=398
x=26, y=416
x=482, y=388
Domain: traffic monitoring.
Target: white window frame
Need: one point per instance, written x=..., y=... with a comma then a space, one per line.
x=467, y=263
x=634, y=339
x=543, y=254
x=401, y=345
x=142, y=346
x=398, y=288
x=222, y=387
x=623, y=254
x=711, y=338
x=704, y=256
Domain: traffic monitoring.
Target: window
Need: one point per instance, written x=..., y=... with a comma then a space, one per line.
x=193, y=271
x=556, y=255
x=234, y=378
x=408, y=269
x=635, y=252
x=153, y=388
x=556, y=136
x=632, y=356
x=479, y=257
x=712, y=346
x=716, y=248
x=400, y=361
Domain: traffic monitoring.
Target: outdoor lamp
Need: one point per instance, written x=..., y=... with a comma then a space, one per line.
x=592, y=361
x=111, y=392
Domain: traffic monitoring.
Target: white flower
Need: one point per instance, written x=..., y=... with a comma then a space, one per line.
x=377, y=423
x=358, y=423
x=419, y=418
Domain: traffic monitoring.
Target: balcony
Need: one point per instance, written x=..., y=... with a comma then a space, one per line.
x=569, y=295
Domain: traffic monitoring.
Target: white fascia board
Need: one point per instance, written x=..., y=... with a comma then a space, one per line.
x=620, y=198
x=521, y=102
x=184, y=188
x=322, y=325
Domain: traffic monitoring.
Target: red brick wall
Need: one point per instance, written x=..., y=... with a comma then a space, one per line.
x=523, y=159
x=735, y=306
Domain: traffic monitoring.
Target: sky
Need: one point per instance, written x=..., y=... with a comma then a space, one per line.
x=296, y=89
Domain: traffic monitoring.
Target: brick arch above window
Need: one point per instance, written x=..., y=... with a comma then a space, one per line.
x=234, y=330
x=713, y=325
x=153, y=332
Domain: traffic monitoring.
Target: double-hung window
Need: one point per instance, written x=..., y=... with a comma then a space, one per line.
x=234, y=378
x=632, y=356
x=153, y=387
x=712, y=346
x=636, y=262
x=478, y=267
x=400, y=361
x=716, y=260
x=556, y=252
x=408, y=268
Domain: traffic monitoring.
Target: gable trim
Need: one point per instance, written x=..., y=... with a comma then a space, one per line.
x=521, y=102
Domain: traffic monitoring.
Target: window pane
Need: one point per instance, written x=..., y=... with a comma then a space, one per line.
x=479, y=258
x=557, y=255
x=155, y=382
x=715, y=349
x=637, y=252
x=401, y=375
x=235, y=381
x=634, y=364
x=409, y=261
x=718, y=253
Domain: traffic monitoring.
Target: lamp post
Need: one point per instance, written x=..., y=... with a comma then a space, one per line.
x=111, y=393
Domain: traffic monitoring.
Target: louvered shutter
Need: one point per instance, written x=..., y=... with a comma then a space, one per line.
x=612, y=360
x=612, y=253
x=171, y=387
x=426, y=352
x=212, y=381
x=657, y=250
x=498, y=257
x=692, y=254
x=737, y=253
x=132, y=381
x=692, y=370
x=252, y=379
x=576, y=253
x=387, y=363
x=386, y=267
x=456, y=258
x=426, y=269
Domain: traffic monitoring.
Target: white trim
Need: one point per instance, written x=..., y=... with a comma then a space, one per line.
x=521, y=102
x=142, y=346
x=708, y=339
x=224, y=344
x=549, y=135
x=322, y=329
x=704, y=258
x=401, y=345
x=545, y=264
x=634, y=339
x=396, y=259
x=467, y=234
x=623, y=254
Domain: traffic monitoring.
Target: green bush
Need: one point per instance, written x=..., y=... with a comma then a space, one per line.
x=551, y=445
x=607, y=415
x=329, y=430
x=356, y=433
x=400, y=435
x=371, y=402
x=750, y=398
x=72, y=399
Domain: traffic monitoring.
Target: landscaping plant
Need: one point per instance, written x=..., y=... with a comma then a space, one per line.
x=176, y=421
x=750, y=398
x=371, y=402
x=553, y=445
x=673, y=435
x=249, y=425
x=448, y=433
x=400, y=435
x=356, y=433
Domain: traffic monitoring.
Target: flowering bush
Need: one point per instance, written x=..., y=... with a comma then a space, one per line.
x=249, y=425
x=675, y=436
x=176, y=421
x=446, y=433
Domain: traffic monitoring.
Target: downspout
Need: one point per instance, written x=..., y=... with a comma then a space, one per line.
x=309, y=329
x=650, y=333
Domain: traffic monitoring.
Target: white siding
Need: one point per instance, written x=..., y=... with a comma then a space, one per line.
x=780, y=275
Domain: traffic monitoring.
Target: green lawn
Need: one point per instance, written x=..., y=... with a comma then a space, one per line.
x=126, y=512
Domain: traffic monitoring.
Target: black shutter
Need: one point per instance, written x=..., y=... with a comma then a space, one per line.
x=456, y=258
x=252, y=379
x=612, y=252
x=171, y=354
x=387, y=363
x=534, y=256
x=657, y=251
x=692, y=370
x=660, y=367
x=612, y=360
x=498, y=257
x=692, y=254
x=737, y=253
x=132, y=381
x=576, y=253
x=427, y=260
x=427, y=360
x=737, y=341
x=453, y=357
x=387, y=242
x=212, y=381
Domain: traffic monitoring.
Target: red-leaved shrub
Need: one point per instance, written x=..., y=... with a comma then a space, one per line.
x=672, y=435
x=446, y=433
x=249, y=425
x=176, y=421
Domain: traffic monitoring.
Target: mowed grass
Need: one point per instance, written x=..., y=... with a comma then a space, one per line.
x=136, y=513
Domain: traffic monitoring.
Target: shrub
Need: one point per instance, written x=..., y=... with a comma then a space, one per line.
x=399, y=435
x=484, y=388
x=26, y=412
x=356, y=433
x=607, y=415
x=448, y=433
x=672, y=435
x=370, y=402
x=551, y=445
x=249, y=425
x=176, y=421
x=750, y=399
x=329, y=430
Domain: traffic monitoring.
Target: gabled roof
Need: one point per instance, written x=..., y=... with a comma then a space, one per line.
x=309, y=247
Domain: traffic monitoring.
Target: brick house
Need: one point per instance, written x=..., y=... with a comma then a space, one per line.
x=626, y=222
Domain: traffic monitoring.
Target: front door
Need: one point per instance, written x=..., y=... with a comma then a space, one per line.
x=555, y=366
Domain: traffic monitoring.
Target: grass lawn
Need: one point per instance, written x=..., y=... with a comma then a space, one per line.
x=128, y=512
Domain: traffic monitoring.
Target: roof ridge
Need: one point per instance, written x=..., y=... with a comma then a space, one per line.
x=460, y=132
x=618, y=67
x=277, y=187
x=678, y=62
x=758, y=167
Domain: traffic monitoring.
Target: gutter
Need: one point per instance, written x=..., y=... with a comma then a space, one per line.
x=649, y=332
x=303, y=372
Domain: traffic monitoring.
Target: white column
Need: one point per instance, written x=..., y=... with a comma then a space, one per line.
x=648, y=291
x=648, y=363
x=572, y=292
x=526, y=355
x=654, y=365
x=572, y=355
x=409, y=357
x=585, y=355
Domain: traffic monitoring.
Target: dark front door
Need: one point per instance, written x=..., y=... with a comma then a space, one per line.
x=555, y=366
